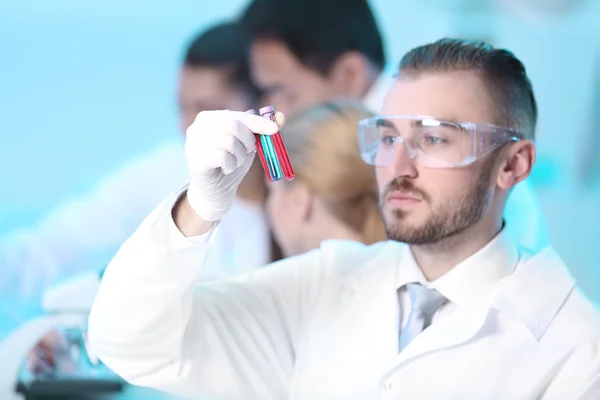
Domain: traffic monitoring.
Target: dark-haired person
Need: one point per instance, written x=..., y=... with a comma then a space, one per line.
x=214, y=75
x=451, y=306
x=309, y=51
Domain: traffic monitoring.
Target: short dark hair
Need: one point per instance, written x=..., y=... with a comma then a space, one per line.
x=502, y=72
x=318, y=32
x=224, y=46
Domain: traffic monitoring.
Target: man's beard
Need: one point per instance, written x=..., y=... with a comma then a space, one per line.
x=452, y=218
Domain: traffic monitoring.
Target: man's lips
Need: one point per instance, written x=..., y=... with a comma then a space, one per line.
x=401, y=199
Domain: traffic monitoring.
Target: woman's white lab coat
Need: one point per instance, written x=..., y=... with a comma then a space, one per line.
x=324, y=326
x=83, y=235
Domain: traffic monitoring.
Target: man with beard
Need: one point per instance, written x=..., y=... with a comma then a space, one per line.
x=449, y=307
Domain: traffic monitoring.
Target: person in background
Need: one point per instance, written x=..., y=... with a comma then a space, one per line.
x=84, y=233
x=214, y=75
x=334, y=193
x=309, y=51
x=451, y=306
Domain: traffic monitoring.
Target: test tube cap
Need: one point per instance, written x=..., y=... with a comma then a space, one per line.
x=266, y=110
x=252, y=111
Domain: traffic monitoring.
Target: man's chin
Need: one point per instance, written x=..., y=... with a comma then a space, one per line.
x=401, y=233
x=404, y=219
x=407, y=227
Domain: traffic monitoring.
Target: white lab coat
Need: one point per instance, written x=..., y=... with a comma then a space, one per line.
x=324, y=325
x=84, y=234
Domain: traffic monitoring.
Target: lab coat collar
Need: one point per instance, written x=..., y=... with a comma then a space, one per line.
x=503, y=278
x=535, y=292
x=471, y=279
x=531, y=295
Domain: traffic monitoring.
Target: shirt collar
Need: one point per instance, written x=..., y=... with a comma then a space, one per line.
x=471, y=278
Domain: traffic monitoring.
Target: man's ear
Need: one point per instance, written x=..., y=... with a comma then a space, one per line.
x=351, y=74
x=517, y=163
x=303, y=200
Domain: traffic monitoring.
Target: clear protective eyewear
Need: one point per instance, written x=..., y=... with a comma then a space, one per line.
x=429, y=141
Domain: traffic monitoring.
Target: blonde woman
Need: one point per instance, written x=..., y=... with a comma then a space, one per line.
x=334, y=194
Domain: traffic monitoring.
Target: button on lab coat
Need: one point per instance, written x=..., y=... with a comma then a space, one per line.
x=324, y=325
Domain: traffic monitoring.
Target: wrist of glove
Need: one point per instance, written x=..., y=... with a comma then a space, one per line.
x=210, y=199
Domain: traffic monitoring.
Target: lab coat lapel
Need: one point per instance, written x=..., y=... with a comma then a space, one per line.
x=536, y=291
x=461, y=326
x=376, y=302
x=512, y=296
x=374, y=314
x=362, y=334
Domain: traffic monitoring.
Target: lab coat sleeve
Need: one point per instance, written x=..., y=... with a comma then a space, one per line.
x=81, y=235
x=525, y=221
x=155, y=325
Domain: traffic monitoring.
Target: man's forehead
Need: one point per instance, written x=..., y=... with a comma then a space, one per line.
x=459, y=95
x=201, y=79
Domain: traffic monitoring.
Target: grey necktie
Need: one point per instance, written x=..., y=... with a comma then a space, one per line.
x=424, y=304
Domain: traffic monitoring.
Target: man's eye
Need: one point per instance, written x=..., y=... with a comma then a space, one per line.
x=388, y=140
x=433, y=140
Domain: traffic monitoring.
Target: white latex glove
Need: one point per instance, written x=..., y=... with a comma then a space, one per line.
x=220, y=148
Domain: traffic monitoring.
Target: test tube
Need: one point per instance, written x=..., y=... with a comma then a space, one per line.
x=266, y=154
x=280, y=150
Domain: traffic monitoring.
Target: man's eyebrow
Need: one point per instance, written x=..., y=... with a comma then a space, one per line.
x=451, y=123
x=449, y=118
x=383, y=123
x=418, y=122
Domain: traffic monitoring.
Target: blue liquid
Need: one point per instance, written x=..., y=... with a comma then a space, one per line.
x=271, y=157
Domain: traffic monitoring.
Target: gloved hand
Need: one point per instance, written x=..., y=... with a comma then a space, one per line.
x=220, y=148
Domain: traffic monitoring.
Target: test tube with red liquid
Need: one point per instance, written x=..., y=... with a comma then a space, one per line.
x=282, y=157
x=267, y=155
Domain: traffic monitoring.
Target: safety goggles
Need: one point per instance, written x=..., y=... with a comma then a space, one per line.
x=429, y=141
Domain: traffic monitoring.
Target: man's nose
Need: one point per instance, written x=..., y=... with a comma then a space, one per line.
x=402, y=162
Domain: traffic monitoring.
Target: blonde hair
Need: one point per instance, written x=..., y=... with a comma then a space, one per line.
x=322, y=143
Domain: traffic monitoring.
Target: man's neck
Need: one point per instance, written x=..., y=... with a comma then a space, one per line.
x=437, y=259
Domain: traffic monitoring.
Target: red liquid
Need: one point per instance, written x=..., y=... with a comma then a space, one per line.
x=280, y=150
x=261, y=156
x=260, y=150
x=282, y=155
